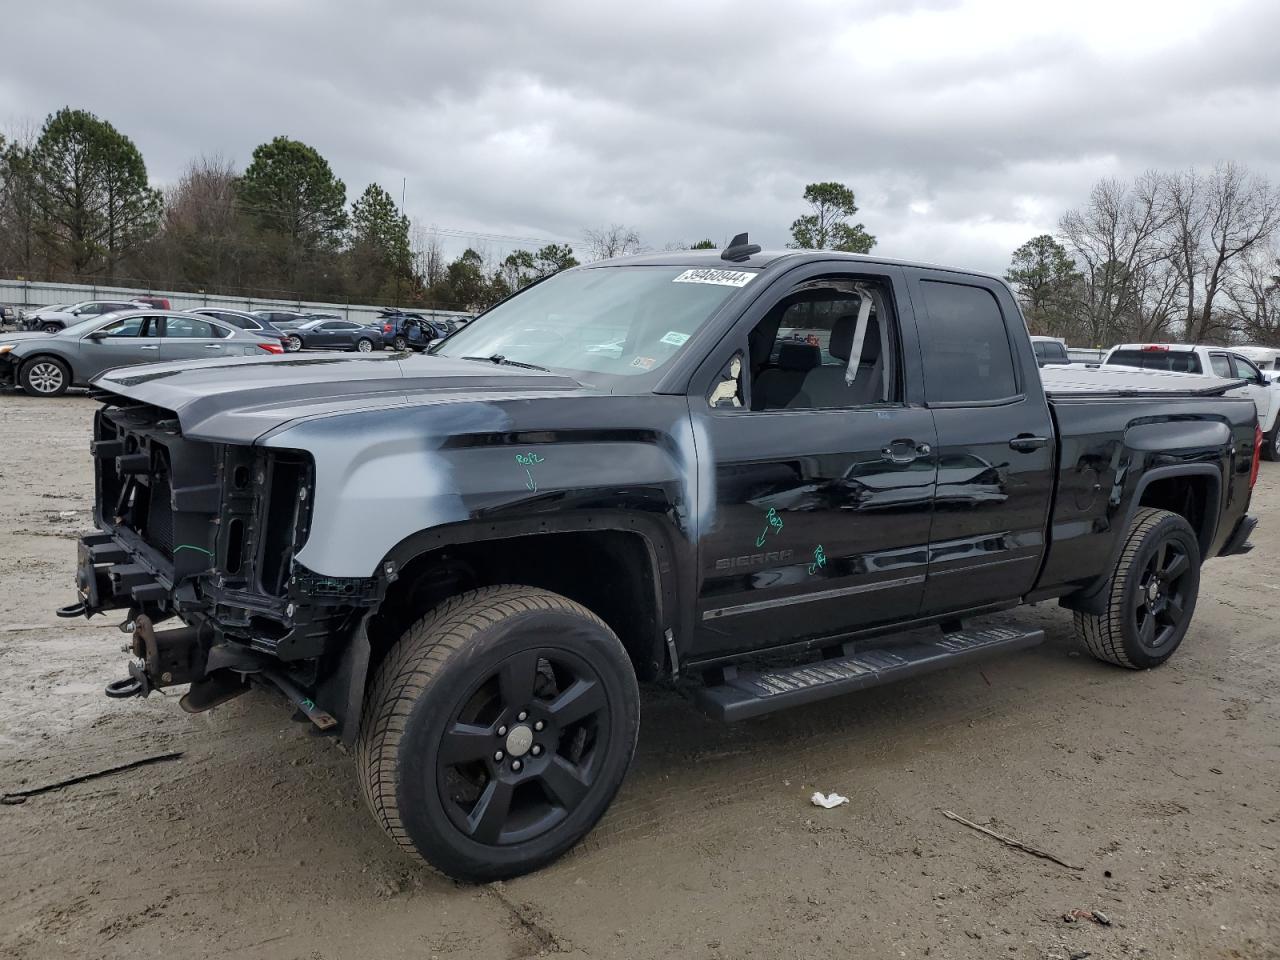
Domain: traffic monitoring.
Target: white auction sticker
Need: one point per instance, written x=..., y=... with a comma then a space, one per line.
x=675, y=338
x=726, y=278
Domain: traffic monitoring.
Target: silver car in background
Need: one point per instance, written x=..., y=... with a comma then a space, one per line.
x=46, y=364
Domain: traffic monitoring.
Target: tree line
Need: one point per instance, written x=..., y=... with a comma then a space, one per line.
x=1190, y=256
x=76, y=205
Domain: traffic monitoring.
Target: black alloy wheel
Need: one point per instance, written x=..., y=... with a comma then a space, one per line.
x=1152, y=594
x=525, y=746
x=1160, y=600
x=497, y=731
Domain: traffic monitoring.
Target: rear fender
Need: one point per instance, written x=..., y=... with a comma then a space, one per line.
x=1094, y=598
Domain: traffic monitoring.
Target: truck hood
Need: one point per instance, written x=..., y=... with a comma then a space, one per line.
x=239, y=399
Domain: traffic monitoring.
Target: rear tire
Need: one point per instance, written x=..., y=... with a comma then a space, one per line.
x=1152, y=595
x=364, y=345
x=497, y=731
x=45, y=377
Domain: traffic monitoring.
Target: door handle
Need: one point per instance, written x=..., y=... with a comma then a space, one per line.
x=151, y=346
x=1025, y=443
x=213, y=346
x=905, y=451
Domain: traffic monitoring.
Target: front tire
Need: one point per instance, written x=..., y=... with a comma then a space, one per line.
x=293, y=344
x=45, y=377
x=1270, y=442
x=497, y=731
x=1152, y=595
x=399, y=343
x=51, y=328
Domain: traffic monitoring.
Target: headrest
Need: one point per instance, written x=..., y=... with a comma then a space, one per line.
x=842, y=339
x=798, y=355
x=842, y=336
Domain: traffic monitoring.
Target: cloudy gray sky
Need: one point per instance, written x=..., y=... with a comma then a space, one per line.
x=964, y=127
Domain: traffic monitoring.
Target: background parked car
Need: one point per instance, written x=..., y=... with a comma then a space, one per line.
x=46, y=364
x=278, y=318
x=321, y=334
x=58, y=317
x=160, y=303
x=1050, y=351
x=243, y=320
x=412, y=331
x=1208, y=361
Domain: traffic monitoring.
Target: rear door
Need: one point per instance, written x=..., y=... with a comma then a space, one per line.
x=819, y=464
x=191, y=338
x=995, y=442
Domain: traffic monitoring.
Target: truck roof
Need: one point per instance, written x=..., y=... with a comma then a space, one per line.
x=765, y=258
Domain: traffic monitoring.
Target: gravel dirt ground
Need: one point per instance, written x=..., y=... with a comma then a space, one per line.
x=1162, y=786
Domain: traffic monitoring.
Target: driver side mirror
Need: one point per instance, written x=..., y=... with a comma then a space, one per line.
x=97, y=335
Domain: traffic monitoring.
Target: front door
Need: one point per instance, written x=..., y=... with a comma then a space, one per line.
x=995, y=443
x=1256, y=388
x=822, y=466
x=120, y=343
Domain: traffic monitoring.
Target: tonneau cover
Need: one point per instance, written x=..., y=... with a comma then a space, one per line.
x=1067, y=382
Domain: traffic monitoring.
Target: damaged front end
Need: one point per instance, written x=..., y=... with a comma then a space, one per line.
x=208, y=533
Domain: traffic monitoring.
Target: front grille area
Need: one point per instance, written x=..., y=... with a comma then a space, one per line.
x=157, y=527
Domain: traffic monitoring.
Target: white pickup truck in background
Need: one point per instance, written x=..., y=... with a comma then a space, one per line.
x=1225, y=362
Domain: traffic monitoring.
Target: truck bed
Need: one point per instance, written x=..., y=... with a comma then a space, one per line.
x=1066, y=383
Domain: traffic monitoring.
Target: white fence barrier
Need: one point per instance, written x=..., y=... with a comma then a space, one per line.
x=30, y=295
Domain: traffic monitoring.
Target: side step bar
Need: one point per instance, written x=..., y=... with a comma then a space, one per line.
x=743, y=693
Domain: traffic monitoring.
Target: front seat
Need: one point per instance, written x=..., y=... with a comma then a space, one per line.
x=777, y=386
x=826, y=387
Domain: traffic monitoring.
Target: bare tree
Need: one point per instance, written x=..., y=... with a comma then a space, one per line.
x=614, y=240
x=1216, y=220
x=428, y=256
x=1254, y=294
x=203, y=238
x=1118, y=239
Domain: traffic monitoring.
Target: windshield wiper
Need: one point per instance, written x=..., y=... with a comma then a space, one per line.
x=499, y=358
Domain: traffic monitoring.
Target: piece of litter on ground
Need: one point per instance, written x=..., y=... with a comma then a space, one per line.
x=1097, y=916
x=828, y=801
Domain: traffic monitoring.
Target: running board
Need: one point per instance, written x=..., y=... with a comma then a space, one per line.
x=743, y=693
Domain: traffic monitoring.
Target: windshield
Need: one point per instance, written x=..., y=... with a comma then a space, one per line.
x=622, y=321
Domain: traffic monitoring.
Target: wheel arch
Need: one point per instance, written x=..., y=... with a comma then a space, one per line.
x=45, y=354
x=1169, y=488
x=572, y=556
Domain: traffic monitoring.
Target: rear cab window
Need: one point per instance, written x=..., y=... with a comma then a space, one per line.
x=1157, y=358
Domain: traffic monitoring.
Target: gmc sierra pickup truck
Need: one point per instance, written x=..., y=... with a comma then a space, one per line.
x=744, y=474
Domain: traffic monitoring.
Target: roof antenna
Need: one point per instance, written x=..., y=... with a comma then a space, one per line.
x=739, y=249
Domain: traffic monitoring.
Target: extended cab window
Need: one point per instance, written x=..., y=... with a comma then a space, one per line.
x=966, y=347
x=827, y=344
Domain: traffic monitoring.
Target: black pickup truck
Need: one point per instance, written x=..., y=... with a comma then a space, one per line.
x=745, y=474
